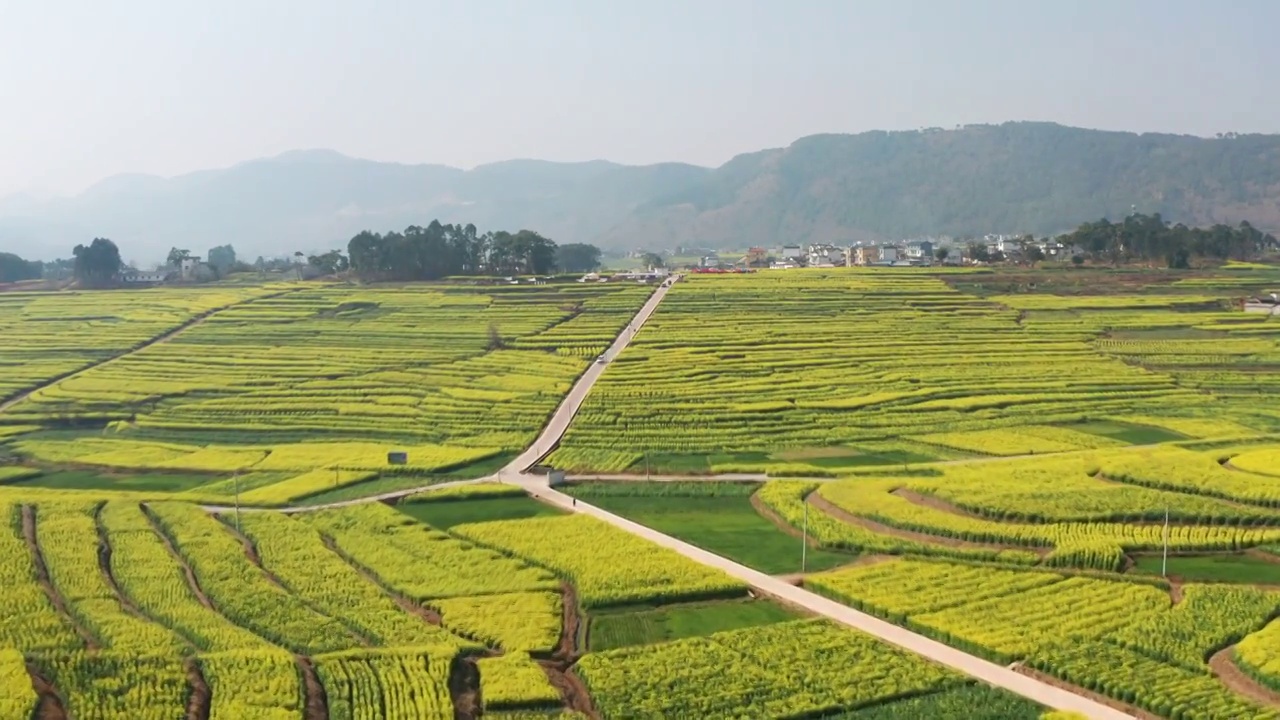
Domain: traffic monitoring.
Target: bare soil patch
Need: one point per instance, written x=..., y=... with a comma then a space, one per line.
x=464, y=688
x=1223, y=665
x=49, y=705
x=198, y=701
x=315, y=702
x=42, y=576
x=559, y=666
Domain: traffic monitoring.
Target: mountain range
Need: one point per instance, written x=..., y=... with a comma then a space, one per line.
x=1015, y=177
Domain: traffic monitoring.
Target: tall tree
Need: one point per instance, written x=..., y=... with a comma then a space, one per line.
x=221, y=258
x=97, y=264
x=577, y=257
x=176, y=255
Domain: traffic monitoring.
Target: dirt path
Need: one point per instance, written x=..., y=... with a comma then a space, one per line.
x=251, y=551
x=426, y=614
x=1223, y=665
x=42, y=576
x=191, y=322
x=315, y=701
x=844, y=516
x=177, y=556
x=559, y=667
x=464, y=688
x=49, y=705
x=198, y=701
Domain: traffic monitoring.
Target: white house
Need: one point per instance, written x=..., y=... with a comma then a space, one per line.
x=188, y=267
x=888, y=253
x=919, y=250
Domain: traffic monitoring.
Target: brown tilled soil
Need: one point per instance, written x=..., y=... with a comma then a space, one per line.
x=198, y=701
x=315, y=702
x=464, y=688
x=1224, y=667
x=42, y=576
x=173, y=552
x=559, y=667
x=426, y=614
x=923, y=538
x=49, y=705
x=1175, y=591
x=1096, y=697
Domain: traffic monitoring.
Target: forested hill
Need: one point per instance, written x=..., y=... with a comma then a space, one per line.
x=1017, y=177
x=1012, y=178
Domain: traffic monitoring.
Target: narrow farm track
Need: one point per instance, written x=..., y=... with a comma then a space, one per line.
x=49, y=704
x=191, y=322
x=199, y=700
x=1225, y=669
x=42, y=576
x=426, y=614
x=315, y=703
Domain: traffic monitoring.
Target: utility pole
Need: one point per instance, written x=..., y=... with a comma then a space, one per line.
x=646, y=465
x=235, y=480
x=804, y=542
x=1164, y=562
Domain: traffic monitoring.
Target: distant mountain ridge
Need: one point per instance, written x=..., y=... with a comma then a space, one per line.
x=1015, y=177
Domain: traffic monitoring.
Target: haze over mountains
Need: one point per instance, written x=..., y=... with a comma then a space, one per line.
x=1016, y=177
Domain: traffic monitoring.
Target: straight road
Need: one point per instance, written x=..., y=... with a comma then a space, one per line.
x=559, y=422
x=970, y=665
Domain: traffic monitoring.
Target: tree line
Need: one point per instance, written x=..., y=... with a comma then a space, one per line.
x=419, y=253
x=1151, y=237
x=438, y=250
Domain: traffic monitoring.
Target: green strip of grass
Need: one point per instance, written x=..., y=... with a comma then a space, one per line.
x=642, y=627
x=967, y=702
x=88, y=480
x=724, y=524
x=1223, y=568
x=444, y=515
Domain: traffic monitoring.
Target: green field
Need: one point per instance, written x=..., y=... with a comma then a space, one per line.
x=625, y=627
x=90, y=480
x=1125, y=432
x=1225, y=568
x=726, y=524
x=444, y=515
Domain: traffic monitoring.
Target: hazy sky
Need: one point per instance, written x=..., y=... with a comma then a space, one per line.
x=91, y=88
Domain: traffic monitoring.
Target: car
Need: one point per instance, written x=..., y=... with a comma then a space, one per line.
x=602, y=360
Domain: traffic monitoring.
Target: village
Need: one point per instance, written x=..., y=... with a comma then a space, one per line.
x=915, y=252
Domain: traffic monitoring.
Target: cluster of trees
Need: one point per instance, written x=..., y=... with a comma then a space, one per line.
x=437, y=251
x=1150, y=237
x=14, y=268
x=97, y=264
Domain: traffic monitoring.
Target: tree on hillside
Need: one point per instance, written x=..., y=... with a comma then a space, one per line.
x=1033, y=254
x=176, y=255
x=652, y=260
x=98, y=264
x=577, y=257
x=977, y=252
x=14, y=268
x=329, y=263
x=222, y=259
x=941, y=254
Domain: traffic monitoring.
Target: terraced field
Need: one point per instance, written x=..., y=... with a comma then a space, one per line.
x=310, y=388
x=994, y=466
x=819, y=373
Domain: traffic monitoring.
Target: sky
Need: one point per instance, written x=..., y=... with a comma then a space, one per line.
x=89, y=89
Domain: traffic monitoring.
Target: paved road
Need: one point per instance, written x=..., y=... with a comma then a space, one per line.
x=564, y=414
x=971, y=665
x=547, y=439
